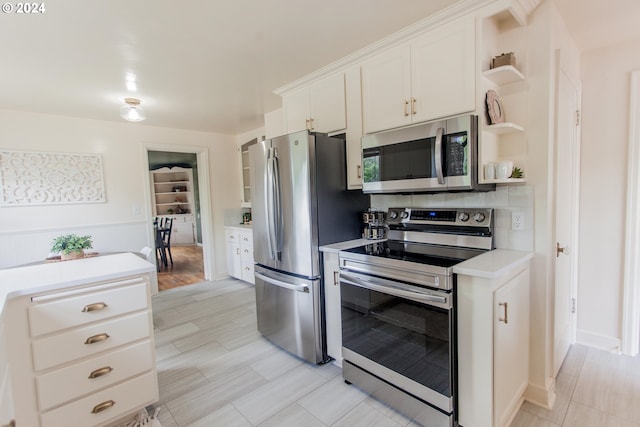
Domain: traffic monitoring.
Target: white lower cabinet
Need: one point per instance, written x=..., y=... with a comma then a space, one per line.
x=85, y=355
x=493, y=347
x=239, y=245
x=332, y=305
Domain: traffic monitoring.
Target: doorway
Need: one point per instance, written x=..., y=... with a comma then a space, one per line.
x=187, y=202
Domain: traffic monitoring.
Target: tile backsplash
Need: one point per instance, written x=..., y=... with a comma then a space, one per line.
x=505, y=200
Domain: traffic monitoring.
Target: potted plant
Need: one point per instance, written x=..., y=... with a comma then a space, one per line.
x=71, y=246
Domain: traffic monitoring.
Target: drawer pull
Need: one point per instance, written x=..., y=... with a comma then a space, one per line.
x=97, y=338
x=102, y=406
x=100, y=372
x=94, y=307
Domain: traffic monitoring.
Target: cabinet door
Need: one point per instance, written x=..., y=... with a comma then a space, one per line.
x=332, y=306
x=386, y=90
x=233, y=260
x=327, y=105
x=6, y=397
x=182, y=233
x=296, y=110
x=443, y=71
x=511, y=346
x=354, y=128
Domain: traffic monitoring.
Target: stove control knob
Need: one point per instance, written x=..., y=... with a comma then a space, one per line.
x=464, y=217
x=479, y=217
x=393, y=215
x=404, y=214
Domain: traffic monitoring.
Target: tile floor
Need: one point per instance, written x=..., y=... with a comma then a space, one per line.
x=215, y=369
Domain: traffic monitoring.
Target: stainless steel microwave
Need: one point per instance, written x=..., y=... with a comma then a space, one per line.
x=436, y=156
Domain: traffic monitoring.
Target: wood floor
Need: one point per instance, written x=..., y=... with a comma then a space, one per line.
x=215, y=369
x=188, y=268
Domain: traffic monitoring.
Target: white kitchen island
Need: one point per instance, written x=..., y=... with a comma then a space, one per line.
x=77, y=341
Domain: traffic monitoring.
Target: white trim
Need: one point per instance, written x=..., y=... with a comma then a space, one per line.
x=631, y=289
x=603, y=342
x=202, y=157
x=69, y=227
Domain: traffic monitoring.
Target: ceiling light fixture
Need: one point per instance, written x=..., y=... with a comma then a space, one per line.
x=132, y=111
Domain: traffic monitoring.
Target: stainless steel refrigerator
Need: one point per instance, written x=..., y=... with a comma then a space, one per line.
x=299, y=202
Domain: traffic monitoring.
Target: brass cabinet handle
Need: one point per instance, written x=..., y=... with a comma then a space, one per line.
x=102, y=406
x=406, y=110
x=336, y=281
x=504, y=319
x=413, y=106
x=96, y=306
x=311, y=124
x=359, y=171
x=97, y=338
x=100, y=372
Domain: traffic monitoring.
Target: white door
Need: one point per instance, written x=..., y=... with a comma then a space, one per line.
x=566, y=216
x=327, y=105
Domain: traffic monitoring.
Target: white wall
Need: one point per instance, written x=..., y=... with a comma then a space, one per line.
x=606, y=77
x=122, y=223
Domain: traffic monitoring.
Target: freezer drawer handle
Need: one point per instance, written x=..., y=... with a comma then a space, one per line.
x=299, y=288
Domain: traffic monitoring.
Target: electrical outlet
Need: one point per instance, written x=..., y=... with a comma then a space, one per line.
x=517, y=221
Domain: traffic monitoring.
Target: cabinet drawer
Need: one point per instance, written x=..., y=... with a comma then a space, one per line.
x=68, y=346
x=68, y=383
x=51, y=313
x=118, y=401
x=231, y=235
x=246, y=239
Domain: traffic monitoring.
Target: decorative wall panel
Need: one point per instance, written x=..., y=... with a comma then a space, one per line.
x=35, y=178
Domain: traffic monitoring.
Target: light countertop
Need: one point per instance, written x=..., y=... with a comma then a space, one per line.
x=340, y=246
x=240, y=226
x=45, y=277
x=493, y=264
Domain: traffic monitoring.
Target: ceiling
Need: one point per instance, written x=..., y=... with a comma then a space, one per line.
x=211, y=65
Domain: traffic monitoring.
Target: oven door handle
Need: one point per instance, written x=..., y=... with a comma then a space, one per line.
x=393, y=290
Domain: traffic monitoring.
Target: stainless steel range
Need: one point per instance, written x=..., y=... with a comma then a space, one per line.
x=399, y=309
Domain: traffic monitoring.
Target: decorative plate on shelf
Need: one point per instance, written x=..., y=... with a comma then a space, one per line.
x=494, y=108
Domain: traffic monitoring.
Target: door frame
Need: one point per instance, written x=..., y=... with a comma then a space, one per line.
x=204, y=193
x=630, y=341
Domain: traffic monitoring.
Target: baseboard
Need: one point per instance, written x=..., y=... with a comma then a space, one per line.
x=543, y=396
x=603, y=342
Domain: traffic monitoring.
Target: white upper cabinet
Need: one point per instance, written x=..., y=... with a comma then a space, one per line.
x=320, y=107
x=386, y=90
x=429, y=77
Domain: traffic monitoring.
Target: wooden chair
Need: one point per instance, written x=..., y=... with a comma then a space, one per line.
x=166, y=238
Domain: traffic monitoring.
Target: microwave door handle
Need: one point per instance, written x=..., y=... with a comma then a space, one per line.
x=438, y=155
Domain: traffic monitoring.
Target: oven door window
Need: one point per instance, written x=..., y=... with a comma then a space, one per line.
x=410, y=338
x=405, y=160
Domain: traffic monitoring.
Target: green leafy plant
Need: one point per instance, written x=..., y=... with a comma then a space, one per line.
x=71, y=243
x=517, y=173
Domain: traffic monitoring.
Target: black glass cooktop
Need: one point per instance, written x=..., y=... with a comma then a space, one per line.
x=441, y=256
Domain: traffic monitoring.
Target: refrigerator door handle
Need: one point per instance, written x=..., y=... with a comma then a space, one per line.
x=278, y=225
x=270, y=203
x=280, y=283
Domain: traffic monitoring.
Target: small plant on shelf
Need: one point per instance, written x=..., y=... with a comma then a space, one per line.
x=517, y=173
x=71, y=246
